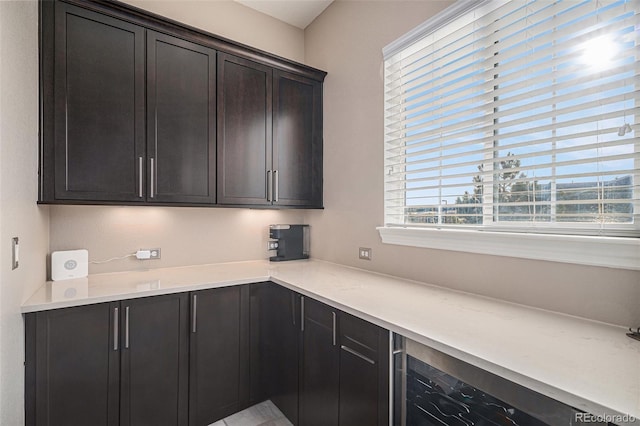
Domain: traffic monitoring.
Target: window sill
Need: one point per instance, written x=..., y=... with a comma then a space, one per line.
x=611, y=252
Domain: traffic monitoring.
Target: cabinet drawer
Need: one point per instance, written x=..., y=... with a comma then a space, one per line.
x=360, y=336
x=319, y=313
x=364, y=372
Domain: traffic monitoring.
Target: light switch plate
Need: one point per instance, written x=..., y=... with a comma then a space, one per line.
x=15, y=253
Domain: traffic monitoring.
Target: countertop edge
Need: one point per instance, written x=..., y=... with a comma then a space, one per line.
x=40, y=307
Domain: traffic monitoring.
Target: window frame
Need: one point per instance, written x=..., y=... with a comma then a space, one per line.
x=568, y=243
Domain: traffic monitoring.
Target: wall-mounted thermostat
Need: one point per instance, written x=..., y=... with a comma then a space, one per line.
x=69, y=264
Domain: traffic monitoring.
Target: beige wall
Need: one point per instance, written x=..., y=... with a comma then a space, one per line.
x=234, y=21
x=187, y=236
x=346, y=41
x=19, y=214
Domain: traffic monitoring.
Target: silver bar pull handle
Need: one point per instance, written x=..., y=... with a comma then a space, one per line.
x=152, y=177
x=140, y=177
x=194, y=318
x=301, y=313
x=115, y=329
x=334, y=328
x=358, y=354
x=269, y=186
x=126, y=327
x=275, y=186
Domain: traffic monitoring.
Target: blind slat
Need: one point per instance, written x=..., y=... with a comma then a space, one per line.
x=483, y=124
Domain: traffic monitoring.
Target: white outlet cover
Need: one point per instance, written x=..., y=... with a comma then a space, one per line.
x=69, y=264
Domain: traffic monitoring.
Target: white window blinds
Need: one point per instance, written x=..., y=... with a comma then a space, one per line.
x=517, y=115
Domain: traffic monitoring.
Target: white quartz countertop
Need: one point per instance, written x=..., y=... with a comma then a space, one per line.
x=589, y=365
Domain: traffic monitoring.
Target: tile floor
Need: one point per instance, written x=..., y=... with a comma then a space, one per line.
x=263, y=414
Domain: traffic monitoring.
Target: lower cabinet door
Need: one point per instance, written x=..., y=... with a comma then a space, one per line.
x=155, y=363
x=219, y=354
x=275, y=342
x=285, y=326
x=258, y=343
x=320, y=366
x=364, y=373
x=75, y=354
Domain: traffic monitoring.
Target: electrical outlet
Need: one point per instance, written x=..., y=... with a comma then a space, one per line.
x=364, y=253
x=144, y=254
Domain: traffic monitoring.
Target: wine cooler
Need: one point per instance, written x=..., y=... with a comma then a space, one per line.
x=431, y=388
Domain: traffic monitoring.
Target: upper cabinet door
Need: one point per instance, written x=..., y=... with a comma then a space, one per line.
x=99, y=107
x=244, y=131
x=297, y=140
x=181, y=140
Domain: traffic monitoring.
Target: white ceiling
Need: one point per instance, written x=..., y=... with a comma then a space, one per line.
x=299, y=13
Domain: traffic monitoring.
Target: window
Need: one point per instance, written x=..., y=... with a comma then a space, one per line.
x=517, y=116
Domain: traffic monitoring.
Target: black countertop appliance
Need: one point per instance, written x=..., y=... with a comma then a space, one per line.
x=290, y=241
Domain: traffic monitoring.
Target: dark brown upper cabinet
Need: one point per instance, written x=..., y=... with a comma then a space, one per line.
x=244, y=131
x=297, y=140
x=138, y=109
x=269, y=136
x=181, y=137
x=99, y=108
